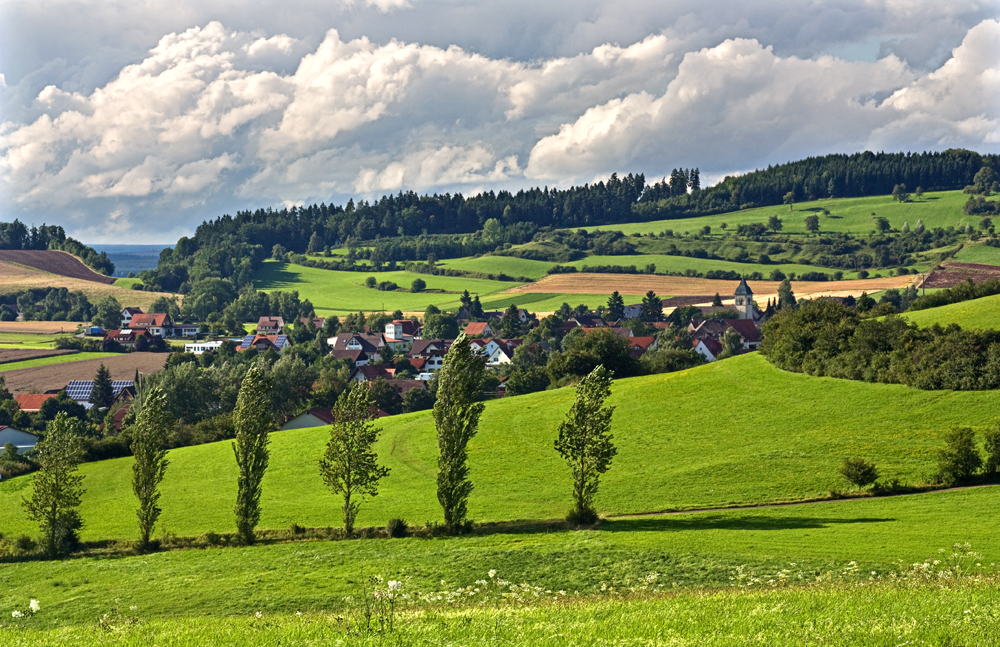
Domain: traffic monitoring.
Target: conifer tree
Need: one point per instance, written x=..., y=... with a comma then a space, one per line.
x=585, y=442
x=350, y=465
x=456, y=417
x=57, y=490
x=616, y=306
x=252, y=422
x=149, y=439
x=102, y=395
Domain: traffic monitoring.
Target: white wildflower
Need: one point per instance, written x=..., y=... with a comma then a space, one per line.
x=395, y=585
x=34, y=606
x=492, y=573
x=17, y=614
x=258, y=615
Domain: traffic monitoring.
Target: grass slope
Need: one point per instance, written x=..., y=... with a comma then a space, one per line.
x=48, y=361
x=982, y=254
x=336, y=292
x=981, y=313
x=685, y=551
x=733, y=432
x=854, y=215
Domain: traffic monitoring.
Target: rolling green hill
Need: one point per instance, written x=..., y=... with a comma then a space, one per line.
x=854, y=215
x=733, y=432
x=981, y=313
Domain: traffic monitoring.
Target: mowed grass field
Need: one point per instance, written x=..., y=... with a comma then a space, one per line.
x=658, y=554
x=853, y=215
x=982, y=254
x=733, y=432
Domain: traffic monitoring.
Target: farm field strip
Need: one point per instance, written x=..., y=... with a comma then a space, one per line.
x=54, y=262
x=41, y=378
x=682, y=460
x=9, y=355
x=50, y=361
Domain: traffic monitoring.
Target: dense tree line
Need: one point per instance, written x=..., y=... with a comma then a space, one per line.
x=825, y=337
x=16, y=235
x=53, y=304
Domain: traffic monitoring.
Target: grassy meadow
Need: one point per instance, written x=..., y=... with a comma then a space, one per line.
x=48, y=361
x=852, y=215
x=983, y=314
x=685, y=440
x=982, y=254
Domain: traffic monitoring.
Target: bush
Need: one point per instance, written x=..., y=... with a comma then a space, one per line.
x=959, y=460
x=859, y=472
x=418, y=285
x=371, y=282
x=582, y=517
x=397, y=528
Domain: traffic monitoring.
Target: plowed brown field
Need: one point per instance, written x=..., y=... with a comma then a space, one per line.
x=679, y=286
x=8, y=355
x=57, y=376
x=54, y=262
x=956, y=273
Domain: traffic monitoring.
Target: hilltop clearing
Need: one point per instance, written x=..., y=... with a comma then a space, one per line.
x=737, y=431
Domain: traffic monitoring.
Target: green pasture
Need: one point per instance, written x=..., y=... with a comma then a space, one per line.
x=982, y=254
x=337, y=292
x=665, y=263
x=654, y=554
x=981, y=313
x=509, y=265
x=733, y=432
x=48, y=361
x=34, y=341
x=127, y=283
x=854, y=215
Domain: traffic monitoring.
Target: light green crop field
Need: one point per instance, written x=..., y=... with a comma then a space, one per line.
x=933, y=613
x=983, y=314
x=542, y=302
x=48, y=361
x=127, y=283
x=336, y=292
x=733, y=432
x=500, y=264
x=982, y=254
x=854, y=215
x=31, y=340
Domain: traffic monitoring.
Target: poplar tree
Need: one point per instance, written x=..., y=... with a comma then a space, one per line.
x=57, y=490
x=456, y=417
x=252, y=422
x=149, y=439
x=585, y=442
x=350, y=465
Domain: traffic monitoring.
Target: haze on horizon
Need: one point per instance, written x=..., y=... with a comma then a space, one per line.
x=133, y=122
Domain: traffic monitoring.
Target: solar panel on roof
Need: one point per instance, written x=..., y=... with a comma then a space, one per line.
x=247, y=341
x=282, y=341
x=79, y=390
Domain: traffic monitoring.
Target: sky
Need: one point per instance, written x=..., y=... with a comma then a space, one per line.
x=134, y=121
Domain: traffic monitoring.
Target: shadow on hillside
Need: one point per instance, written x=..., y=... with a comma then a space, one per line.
x=677, y=523
x=272, y=275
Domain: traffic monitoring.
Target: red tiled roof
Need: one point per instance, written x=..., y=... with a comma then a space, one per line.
x=642, y=342
x=145, y=320
x=31, y=402
x=745, y=328
x=476, y=329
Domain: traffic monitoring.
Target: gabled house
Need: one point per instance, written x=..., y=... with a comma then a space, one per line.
x=319, y=418
x=128, y=313
x=355, y=357
x=371, y=344
x=264, y=342
x=186, y=330
x=588, y=321
x=32, y=402
x=370, y=373
x=710, y=349
x=270, y=325
x=127, y=336
x=318, y=322
x=632, y=311
x=479, y=329
x=157, y=324
x=79, y=390
x=426, y=347
x=639, y=345
x=400, y=334
x=749, y=334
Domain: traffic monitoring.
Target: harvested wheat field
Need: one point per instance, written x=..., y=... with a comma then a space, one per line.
x=54, y=262
x=17, y=278
x=679, y=286
x=55, y=376
x=39, y=327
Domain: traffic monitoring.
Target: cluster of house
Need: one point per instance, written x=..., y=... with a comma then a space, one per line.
x=137, y=324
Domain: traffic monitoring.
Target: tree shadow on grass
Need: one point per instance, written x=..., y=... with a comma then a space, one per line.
x=677, y=523
x=273, y=275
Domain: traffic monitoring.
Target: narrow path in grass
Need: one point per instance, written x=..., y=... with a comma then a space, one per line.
x=785, y=504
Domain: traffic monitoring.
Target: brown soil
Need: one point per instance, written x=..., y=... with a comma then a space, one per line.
x=39, y=327
x=20, y=354
x=54, y=262
x=57, y=376
x=956, y=273
x=690, y=288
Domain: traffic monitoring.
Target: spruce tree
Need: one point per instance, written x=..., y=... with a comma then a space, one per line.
x=652, y=308
x=252, y=423
x=57, y=490
x=102, y=395
x=456, y=417
x=350, y=465
x=149, y=440
x=585, y=442
x=616, y=306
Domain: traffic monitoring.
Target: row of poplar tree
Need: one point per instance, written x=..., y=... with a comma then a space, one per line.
x=349, y=465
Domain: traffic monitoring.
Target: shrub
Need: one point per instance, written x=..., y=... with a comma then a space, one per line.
x=960, y=459
x=859, y=472
x=991, y=441
x=297, y=529
x=397, y=528
x=371, y=282
x=25, y=544
x=418, y=285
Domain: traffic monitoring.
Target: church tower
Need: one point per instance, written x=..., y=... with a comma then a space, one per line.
x=744, y=300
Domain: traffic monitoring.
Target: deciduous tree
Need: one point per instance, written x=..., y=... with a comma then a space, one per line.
x=252, y=423
x=349, y=466
x=585, y=442
x=149, y=446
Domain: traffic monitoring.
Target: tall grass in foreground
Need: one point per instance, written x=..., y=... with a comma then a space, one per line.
x=936, y=611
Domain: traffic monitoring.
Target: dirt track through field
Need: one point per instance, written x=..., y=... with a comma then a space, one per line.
x=55, y=262
x=680, y=286
x=55, y=376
